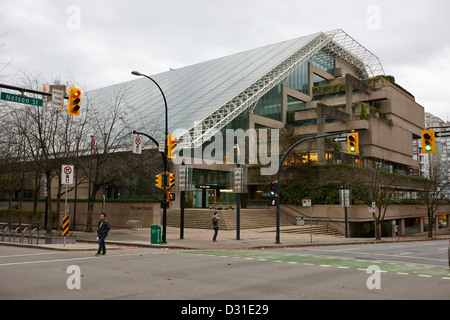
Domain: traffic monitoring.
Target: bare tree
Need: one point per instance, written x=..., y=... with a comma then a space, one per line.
x=380, y=187
x=50, y=137
x=432, y=191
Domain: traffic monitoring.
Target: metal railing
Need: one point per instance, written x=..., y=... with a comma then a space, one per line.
x=134, y=225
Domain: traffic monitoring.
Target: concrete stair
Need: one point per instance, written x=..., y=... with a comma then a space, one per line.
x=306, y=229
x=250, y=219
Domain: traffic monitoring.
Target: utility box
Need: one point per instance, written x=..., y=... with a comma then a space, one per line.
x=155, y=234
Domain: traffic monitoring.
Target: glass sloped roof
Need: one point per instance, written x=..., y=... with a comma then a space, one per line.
x=195, y=92
x=192, y=92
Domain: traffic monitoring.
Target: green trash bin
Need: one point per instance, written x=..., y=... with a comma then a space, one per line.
x=155, y=234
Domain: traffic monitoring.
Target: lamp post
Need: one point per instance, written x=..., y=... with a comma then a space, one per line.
x=163, y=238
x=238, y=197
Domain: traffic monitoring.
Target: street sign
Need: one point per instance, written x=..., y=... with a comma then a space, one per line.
x=137, y=145
x=184, y=181
x=21, y=99
x=162, y=146
x=372, y=208
x=306, y=202
x=239, y=180
x=344, y=196
x=65, y=227
x=340, y=139
x=442, y=134
x=57, y=98
x=67, y=174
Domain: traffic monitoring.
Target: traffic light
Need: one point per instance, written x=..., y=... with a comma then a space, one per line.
x=428, y=141
x=74, y=101
x=170, y=196
x=159, y=181
x=172, y=143
x=353, y=143
x=273, y=189
x=171, y=178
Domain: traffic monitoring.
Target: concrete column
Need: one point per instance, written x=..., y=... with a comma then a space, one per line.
x=402, y=227
x=421, y=225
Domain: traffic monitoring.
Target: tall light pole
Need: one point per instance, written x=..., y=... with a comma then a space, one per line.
x=238, y=197
x=166, y=132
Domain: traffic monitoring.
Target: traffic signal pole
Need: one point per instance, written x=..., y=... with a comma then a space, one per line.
x=277, y=237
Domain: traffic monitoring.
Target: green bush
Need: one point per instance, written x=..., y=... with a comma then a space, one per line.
x=367, y=230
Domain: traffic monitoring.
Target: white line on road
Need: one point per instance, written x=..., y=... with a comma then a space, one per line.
x=63, y=260
x=28, y=254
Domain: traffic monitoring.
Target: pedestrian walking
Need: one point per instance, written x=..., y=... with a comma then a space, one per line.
x=102, y=233
x=215, y=223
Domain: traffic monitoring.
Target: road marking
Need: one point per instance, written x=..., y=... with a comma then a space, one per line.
x=28, y=254
x=400, y=268
x=63, y=260
x=424, y=275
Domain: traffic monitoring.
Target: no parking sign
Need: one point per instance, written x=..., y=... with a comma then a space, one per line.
x=137, y=145
x=67, y=174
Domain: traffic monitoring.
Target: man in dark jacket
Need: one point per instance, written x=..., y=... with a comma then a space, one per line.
x=215, y=224
x=102, y=233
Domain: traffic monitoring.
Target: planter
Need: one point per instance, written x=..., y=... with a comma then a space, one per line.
x=60, y=240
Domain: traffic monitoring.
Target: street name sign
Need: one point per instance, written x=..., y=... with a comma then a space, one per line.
x=21, y=99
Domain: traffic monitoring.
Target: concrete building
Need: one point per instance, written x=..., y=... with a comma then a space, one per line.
x=320, y=83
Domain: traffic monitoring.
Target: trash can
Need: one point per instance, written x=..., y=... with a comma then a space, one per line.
x=300, y=221
x=155, y=234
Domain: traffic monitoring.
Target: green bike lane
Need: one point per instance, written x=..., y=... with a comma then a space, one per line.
x=341, y=263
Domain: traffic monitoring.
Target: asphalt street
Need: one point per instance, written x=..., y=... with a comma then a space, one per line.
x=415, y=270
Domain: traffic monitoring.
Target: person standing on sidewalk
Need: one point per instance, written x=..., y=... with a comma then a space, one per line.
x=102, y=233
x=215, y=223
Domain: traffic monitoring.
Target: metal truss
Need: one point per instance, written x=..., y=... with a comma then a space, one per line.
x=342, y=45
x=335, y=43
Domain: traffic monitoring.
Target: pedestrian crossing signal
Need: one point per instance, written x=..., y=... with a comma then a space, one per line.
x=170, y=196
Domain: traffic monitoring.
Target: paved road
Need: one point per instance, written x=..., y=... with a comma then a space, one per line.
x=416, y=270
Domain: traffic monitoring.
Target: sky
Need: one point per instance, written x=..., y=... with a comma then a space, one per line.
x=97, y=43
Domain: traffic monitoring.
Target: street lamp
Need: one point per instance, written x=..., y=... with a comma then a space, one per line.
x=166, y=132
x=238, y=197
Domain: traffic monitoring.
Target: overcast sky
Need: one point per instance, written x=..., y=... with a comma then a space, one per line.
x=97, y=43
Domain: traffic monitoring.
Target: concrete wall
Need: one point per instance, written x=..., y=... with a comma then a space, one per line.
x=335, y=215
x=117, y=213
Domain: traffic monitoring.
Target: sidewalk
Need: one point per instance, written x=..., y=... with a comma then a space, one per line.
x=201, y=239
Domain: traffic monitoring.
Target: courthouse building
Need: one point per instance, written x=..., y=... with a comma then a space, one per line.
x=320, y=83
